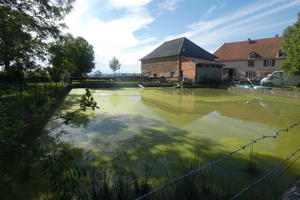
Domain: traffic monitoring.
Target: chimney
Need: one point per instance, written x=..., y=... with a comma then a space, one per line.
x=249, y=40
x=276, y=35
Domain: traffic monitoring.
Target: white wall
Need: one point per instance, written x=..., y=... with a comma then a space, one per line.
x=242, y=67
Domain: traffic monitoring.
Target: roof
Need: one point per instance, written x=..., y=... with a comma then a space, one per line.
x=179, y=47
x=260, y=48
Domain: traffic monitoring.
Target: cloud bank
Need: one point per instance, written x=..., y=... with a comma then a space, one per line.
x=117, y=36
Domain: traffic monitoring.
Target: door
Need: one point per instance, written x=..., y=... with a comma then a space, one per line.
x=231, y=74
x=228, y=73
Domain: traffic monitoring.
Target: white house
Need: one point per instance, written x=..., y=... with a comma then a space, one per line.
x=250, y=58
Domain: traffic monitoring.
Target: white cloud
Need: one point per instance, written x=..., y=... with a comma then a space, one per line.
x=114, y=37
x=246, y=21
x=169, y=5
x=207, y=25
x=119, y=4
x=210, y=10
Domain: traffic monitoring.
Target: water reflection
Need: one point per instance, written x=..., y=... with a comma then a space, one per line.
x=174, y=125
x=126, y=116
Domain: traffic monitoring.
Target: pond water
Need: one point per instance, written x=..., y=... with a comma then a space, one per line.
x=177, y=124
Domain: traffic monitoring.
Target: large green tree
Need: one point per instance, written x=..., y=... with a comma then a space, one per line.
x=25, y=28
x=291, y=47
x=75, y=55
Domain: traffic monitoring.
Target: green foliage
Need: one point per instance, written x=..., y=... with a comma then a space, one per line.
x=291, y=47
x=68, y=180
x=55, y=73
x=24, y=31
x=72, y=177
x=87, y=101
x=75, y=55
x=114, y=64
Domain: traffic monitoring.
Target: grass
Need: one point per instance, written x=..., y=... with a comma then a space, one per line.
x=23, y=116
x=73, y=178
x=65, y=173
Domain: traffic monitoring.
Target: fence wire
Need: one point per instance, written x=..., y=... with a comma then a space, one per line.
x=264, y=176
x=214, y=162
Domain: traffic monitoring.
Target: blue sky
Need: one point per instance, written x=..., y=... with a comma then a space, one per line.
x=130, y=29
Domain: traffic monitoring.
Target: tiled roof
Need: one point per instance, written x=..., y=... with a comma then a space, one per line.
x=179, y=47
x=261, y=48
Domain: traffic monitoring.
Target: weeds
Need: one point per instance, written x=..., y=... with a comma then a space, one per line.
x=252, y=167
x=72, y=178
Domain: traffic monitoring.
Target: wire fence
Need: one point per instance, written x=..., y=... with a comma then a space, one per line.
x=214, y=162
x=248, y=187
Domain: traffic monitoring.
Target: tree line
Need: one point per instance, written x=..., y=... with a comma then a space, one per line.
x=31, y=40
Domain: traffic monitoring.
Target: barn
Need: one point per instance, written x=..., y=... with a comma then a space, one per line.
x=181, y=59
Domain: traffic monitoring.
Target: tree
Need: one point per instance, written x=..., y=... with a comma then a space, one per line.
x=75, y=55
x=26, y=26
x=291, y=48
x=98, y=73
x=114, y=64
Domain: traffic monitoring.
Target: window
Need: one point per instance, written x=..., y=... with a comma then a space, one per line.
x=253, y=54
x=280, y=54
x=268, y=63
x=250, y=63
x=172, y=74
x=276, y=75
x=250, y=74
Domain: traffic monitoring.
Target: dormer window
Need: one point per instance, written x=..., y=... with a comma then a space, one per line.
x=280, y=54
x=253, y=54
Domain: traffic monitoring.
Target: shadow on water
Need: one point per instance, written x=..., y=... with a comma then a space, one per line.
x=150, y=152
x=141, y=167
x=122, y=154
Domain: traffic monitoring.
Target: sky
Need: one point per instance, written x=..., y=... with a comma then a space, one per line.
x=130, y=29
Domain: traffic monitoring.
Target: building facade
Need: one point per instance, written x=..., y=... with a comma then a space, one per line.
x=181, y=59
x=252, y=59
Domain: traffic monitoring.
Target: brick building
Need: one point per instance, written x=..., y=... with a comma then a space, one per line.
x=251, y=58
x=181, y=59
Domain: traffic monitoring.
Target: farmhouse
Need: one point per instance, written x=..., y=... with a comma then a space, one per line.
x=181, y=59
x=251, y=58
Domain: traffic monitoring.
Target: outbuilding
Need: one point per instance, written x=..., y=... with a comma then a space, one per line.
x=181, y=59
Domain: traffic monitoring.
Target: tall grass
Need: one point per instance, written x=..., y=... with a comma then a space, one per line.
x=70, y=179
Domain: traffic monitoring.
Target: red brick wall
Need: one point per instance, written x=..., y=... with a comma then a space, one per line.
x=162, y=66
x=188, y=68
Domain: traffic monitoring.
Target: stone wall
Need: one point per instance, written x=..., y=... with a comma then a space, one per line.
x=162, y=67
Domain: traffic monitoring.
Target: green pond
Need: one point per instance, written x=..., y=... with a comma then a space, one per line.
x=175, y=125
